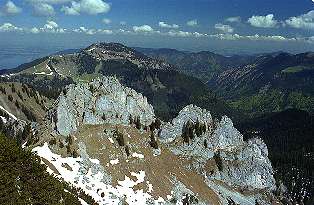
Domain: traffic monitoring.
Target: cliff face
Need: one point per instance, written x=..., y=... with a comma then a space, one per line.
x=102, y=101
x=122, y=154
x=240, y=163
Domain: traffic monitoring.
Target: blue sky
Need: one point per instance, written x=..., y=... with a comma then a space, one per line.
x=225, y=26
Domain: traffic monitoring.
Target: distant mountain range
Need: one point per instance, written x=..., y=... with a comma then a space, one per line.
x=254, y=84
x=270, y=83
x=204, y=65
x=167, y=89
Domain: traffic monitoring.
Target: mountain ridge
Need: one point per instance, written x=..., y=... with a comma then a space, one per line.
x=167, y=89
x=285, y=79
x=120, y=122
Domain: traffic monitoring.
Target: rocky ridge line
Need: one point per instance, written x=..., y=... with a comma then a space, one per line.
x=105, y=100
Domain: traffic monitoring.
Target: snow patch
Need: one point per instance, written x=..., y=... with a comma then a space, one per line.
x=111, y=140
x=114, y=161
x=82, y=201
x=92, y=183
x=136, y=155
x=3, y=119
x=10, y=114
x=95, y=161
x=48, y=67
x=44, y=73
x=24, y=144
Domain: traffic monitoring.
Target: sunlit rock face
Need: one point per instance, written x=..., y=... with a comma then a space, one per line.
x=173, y=129
x=247, y=166
x=244, y=164
x=102, y=101
x=225, y=136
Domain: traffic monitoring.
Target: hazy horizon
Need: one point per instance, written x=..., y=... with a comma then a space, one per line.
x=222, y=26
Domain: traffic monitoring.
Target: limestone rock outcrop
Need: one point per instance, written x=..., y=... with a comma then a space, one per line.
x=247, y=166
x=193, y=133
x=173, y=129
x=243, y=164
x=104, y=100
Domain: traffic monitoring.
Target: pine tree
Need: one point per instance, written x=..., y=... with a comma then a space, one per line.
x=10, y=98
x=218, y=161
x=138, y=123
x=205, y=143
x=197, y=127
x=17, y=105
x=127, y=150
x=119, y=137
x=153, y=143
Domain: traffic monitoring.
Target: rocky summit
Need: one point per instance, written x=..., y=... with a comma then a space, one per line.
x=104, y=139
x=240, y=163
x=102, y=101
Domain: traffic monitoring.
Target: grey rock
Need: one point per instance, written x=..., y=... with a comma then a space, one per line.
x=14, y=128
x=247, y=166
x=225, y=136
x=173, y=129
x=102, y=101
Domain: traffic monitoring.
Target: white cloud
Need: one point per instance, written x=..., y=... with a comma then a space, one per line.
x=106, y=21
x=224, y=28
x=305, y=21
x=234, y=19
x=10, y=9
x=34, y=30
x=179, y=33
x=43, y=9
x=70, y=10
x=48, y=1
x=192, y=22
x=51, y=25
x=123, y=31
x=267, y=21
x=165, y=25
x=143, y=29
x=108, y=32
x=8, y=27
x=174, y=33
x=91, y=7
x=255, y=37
x=91, y=31
x=82, y=29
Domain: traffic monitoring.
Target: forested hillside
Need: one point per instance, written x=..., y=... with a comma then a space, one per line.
x=24, y=180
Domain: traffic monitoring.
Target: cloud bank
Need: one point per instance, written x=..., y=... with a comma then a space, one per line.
x=267, y=21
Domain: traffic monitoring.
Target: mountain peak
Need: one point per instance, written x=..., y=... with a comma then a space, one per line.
x=117, y=47
x=90, y=61
x=117, y=51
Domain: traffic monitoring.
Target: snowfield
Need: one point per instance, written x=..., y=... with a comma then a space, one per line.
x=91, y=182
